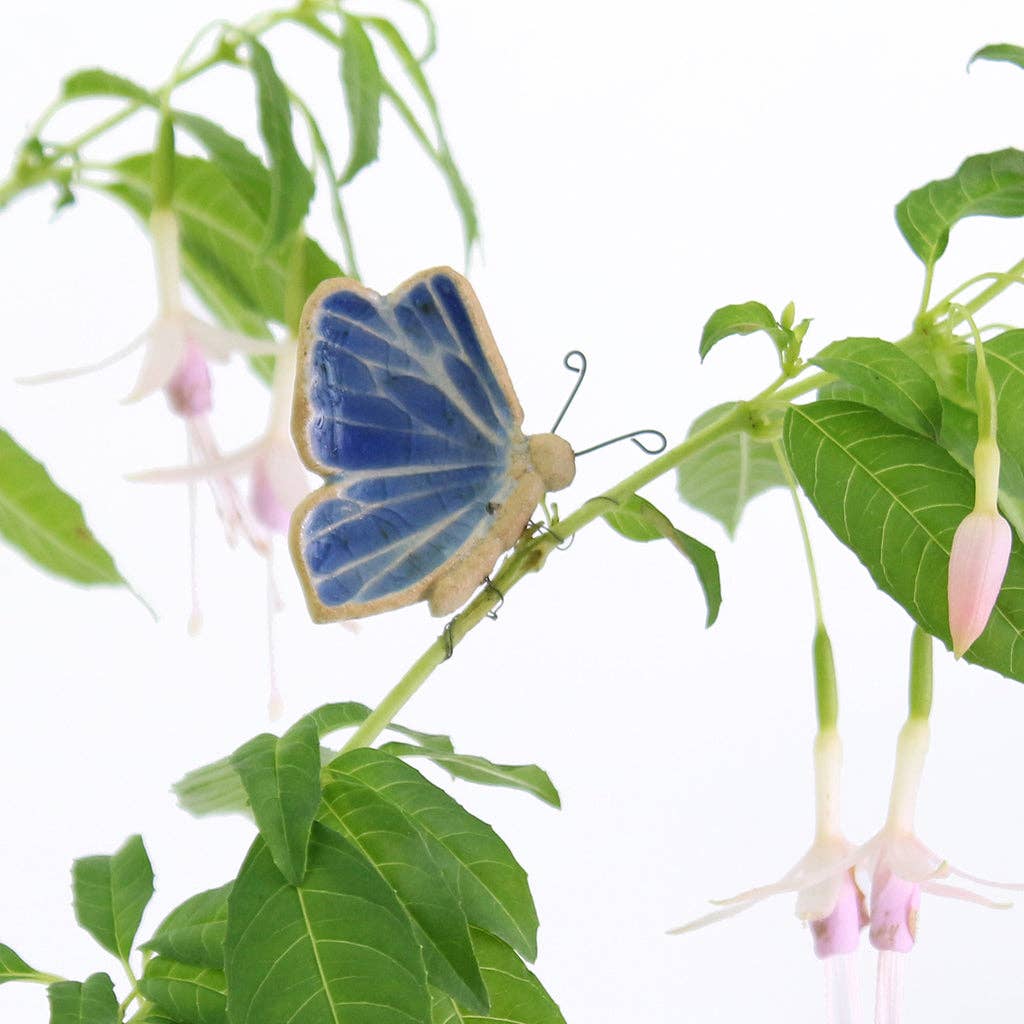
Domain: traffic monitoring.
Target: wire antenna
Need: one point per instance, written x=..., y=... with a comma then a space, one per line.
x=581, y=370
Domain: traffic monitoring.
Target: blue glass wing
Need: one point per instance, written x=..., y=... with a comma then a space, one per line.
x=404, y=404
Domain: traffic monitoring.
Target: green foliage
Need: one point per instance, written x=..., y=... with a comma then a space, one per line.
x=722, y=477
x=990, y=184
x=637, y=519
x=92, y=82
x=45, y=523
x=281, y=777
x=895, y=499
x=1000, y=52
x=339, y=941
x=515, y=994
x=361, y=77
x=744, y=318
x=189, y=993
x=879, y=374
x=13, y=968
x=110, y=894
x=84, y=1002
x=194, y=932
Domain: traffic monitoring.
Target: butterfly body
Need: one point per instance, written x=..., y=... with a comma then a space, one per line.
x=404, y=405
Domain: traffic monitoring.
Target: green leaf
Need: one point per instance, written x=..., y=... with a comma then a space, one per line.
x=990, y=184
x=45, y=523
x=193, y=933
x=330, y=718
x=222, y=241
x=91, y=82
x=110, y=894
x=516, y=996
x=895, y=499
x=13, y=968
x=391, y=841
x=745, y=318
x=439, y=152
x=527, y=777
x=336, y=948
x=887, y=379
x=189, y=993
x=1000, y=52
x=282, y=779
x=84, y=1002
x=637, y=519
x=721, y=478
x=214, y=788
x=478, y=865
x=291, y=183
x=361, y=78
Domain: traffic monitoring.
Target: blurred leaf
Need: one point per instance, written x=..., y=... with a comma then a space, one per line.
x=721, y=478
x=193, y=933
x=111, y=893
x=191, y=994
x=84, y=1002
x=744, y=318
x=1000, y=52
x=13, y=968
x=637, y=519
x=282, y=779
x=516, y=996
x=887, y=379
x=45, y=523
x=361, y=78
x=990, y=184
x=477, y=864
x=339, y=947
x=91, y=82
x=895, y=499
x=526, y=777
x=291, y=184
x=391, y=841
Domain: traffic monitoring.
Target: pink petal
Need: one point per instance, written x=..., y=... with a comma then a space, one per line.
x=894, y=907
x=190, y=390
x=278, y=484
x=839, y=932
x=977, y=565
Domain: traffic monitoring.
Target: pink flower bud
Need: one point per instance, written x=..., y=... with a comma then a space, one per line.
x=977, y=565
x=840, y=932
x=894, y=906
x=190, y=391
x=277, y=485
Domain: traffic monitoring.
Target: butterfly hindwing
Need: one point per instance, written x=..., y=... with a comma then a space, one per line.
x=404, y=404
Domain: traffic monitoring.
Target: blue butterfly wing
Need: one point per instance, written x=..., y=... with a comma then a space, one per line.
x=404, y=405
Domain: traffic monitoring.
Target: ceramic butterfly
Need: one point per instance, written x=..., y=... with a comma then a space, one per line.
x=404, y=406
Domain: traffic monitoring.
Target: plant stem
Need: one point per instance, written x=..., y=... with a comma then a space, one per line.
x=529, y=556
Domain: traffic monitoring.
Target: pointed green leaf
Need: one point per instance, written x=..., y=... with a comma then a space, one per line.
x=214, y=788
x=478, y=865
x=516, y=996
x=637, y=519
x=282, y=779
x=91, y=82
x=721, y=478
x=193, y=933
x=895, y=499
x=291, y=184
x=45, y=523
x=361, y=78
x=1000, y=52
x=13, y=968
x=190, y=994
x=990, y=184
x=336, y=948
x=745, y=318
x=84, y=1002
x=330, y=718
x=527, y=777
x=110, y=894
x=886, y=378
x=390, y=839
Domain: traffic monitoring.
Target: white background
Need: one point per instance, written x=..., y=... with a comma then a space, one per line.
x=636, y=166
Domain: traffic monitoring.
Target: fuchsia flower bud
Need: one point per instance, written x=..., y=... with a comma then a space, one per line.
x=839, y=932
x=894, y=906
x=190, y=391
x=977, y=565
x=277, y=484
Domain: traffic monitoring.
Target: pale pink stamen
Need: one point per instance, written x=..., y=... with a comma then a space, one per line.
x=842, y=993
x=889, y=988
x=977, y=565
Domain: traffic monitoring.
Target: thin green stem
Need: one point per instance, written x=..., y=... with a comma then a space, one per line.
x=985, y=296
x=529, y=556
x=926, y=291
x=920, y=695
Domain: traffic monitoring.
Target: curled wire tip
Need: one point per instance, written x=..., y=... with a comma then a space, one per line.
x=569, y=362
x=634, y=436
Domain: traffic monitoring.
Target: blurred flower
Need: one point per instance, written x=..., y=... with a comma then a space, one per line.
x=977, y=565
